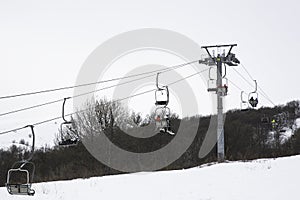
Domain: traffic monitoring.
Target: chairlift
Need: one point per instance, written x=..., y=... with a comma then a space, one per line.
x=162, y=112
x=211, y=83
x=244, y=103
x=265, y=120
x=162, y=120
x=71, y=138
x=162, y=117
x=224, y=87
x=20, y=177
x=161, y=94
x=253, y=96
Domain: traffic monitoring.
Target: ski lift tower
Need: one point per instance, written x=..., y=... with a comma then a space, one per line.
x=221, y=90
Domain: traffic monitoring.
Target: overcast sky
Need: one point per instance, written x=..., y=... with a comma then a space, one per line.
x=44, y=43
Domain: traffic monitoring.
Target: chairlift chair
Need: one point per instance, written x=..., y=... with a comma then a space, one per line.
x=253, y=96
x=265, y=120
x=21, y=186
x=224, y=87
x=19, y=178
x=162, y=117
x=72, y=137
x=161, y=94
x=244, y=104
x=211, y=83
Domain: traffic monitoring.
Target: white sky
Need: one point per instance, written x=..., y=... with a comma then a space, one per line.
x=44, y=43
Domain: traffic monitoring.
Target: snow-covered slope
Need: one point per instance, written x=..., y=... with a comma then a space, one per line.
x=265, y=179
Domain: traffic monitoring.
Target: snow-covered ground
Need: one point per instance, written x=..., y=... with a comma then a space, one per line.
x=265, y=179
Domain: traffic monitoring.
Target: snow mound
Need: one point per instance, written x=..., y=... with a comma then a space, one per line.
x=263, y=179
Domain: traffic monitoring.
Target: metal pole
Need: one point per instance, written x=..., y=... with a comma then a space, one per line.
x=220, y=125
x=229, y=60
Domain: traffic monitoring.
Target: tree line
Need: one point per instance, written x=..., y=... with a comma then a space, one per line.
x=249, y=135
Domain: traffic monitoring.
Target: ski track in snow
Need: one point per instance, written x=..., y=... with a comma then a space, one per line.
x=274, y=179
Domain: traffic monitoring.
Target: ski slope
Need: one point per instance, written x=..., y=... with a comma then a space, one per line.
x=265, y=179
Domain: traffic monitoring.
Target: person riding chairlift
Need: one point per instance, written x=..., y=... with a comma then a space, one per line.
x=253, y=102
x=168, y=128
x=157, y=118
x=165, y=129
x=226, y=89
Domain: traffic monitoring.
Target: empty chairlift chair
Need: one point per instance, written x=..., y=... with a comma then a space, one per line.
x=20, y=176
x=161, y=94
x=244, y=103
x=68, y=134
x=19, y=180
x=211, y=83
x=265, y=120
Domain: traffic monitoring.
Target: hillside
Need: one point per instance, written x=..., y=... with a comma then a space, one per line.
x=262, y=179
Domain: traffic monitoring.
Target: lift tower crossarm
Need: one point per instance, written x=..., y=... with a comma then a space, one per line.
x=217, y=46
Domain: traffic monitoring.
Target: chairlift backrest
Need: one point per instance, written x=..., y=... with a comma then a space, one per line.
x=17, y=171
x=22, y=187
x=17, y=184
x=161, y=94
x=244, y=103
x=265, y=120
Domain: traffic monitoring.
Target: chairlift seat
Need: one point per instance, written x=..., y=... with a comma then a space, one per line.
x=161, y=103
x=20, y=189
x=212, y=89
x=17, y=188
x=161, y=123
x=68, y=142
x=245, y=109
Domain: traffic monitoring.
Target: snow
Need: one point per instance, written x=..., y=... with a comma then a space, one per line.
x=287, y=134
x=297, y=123
x=264, y=179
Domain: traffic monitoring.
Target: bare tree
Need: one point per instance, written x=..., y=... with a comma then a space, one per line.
x=100, y=116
